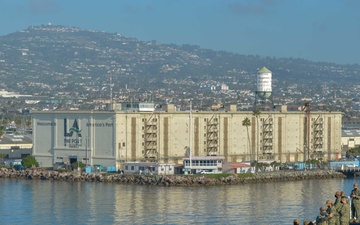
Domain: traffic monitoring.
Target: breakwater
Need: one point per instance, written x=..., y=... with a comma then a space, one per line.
x=169, y=180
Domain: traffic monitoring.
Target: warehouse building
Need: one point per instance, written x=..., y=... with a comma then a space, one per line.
x=114, y=137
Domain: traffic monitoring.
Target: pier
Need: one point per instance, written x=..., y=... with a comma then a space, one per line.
x=349, y=170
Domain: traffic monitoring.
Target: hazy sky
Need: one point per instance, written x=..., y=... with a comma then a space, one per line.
x=319, y=30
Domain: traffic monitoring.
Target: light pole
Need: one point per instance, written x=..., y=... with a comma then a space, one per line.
x=77, y=145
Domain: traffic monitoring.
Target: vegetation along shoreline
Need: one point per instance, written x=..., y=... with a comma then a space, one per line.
x=169, y=180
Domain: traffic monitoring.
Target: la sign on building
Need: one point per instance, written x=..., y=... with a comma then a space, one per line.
x=74, y=135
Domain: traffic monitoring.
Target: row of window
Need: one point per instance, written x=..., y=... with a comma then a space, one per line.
x=202, y=162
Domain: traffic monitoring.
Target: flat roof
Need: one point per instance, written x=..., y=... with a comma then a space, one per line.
x=16, y=139
x=205, y=158
x=148, y=163
x=350, y=133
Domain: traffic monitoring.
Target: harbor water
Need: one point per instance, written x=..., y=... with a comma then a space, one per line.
x=59, y=202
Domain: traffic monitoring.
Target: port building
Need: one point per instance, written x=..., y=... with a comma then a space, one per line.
x=111, y=138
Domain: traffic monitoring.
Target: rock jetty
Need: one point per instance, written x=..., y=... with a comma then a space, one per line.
x=168, y=180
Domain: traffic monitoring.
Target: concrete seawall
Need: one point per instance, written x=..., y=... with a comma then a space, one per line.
x=168, y=180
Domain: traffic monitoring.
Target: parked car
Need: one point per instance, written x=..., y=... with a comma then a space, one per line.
x=205, y=172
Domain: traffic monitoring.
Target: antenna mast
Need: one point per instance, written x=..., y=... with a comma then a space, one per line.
x=111, y=95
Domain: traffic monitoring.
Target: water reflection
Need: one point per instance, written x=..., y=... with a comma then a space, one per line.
x=46, y=202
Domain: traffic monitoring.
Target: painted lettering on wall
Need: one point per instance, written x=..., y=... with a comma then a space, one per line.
x=73, y=137
x=46, y=124
x=100, y=124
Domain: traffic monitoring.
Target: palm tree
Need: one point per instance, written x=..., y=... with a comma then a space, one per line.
x=18, y=121
x=275, y=164
x=246, y=122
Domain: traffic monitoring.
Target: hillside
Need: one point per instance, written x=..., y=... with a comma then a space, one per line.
x=48, y=59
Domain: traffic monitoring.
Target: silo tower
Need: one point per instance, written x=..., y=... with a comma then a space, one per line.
x=263, y=93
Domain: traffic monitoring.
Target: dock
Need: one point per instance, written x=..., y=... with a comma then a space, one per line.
x=349, y=171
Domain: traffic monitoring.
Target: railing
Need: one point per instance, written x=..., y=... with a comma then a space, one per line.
x=348, y=168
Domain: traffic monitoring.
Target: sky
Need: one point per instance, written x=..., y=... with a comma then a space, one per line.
x=316, y=30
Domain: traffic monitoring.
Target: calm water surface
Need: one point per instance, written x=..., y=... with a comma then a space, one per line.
x=59, y=202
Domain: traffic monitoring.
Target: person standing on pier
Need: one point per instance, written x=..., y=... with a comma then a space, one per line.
x=323, y=217
x=344, y=211
x=337, y=201
x=355, y=203
x=332, y=212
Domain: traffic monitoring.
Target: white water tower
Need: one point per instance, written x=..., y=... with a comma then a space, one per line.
x=263, y=93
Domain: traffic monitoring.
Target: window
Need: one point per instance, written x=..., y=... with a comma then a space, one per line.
x=126, y=167
x=132, y=167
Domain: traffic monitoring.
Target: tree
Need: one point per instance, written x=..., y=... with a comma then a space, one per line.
x=246, y=122
x=5, y=122
x=2, y=156
x=1, y=133
x=29, y=161
x=28, y=123
x=275, y=164
x=261, y=166
x=74, y=165
x=257, y=113
x=18, y=121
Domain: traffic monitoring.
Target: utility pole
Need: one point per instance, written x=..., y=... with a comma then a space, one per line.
x=111, y=94
x=86, y=150
x=190, y=131
x=307, y=130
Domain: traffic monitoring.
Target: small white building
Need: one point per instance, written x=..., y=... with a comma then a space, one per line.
x=350, y=138
x=199, y=164
x=149, y=168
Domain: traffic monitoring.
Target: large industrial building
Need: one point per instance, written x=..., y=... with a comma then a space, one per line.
x=136, y=132
x=113, y=137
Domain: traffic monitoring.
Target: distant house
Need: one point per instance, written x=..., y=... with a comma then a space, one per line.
x=224, y=87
